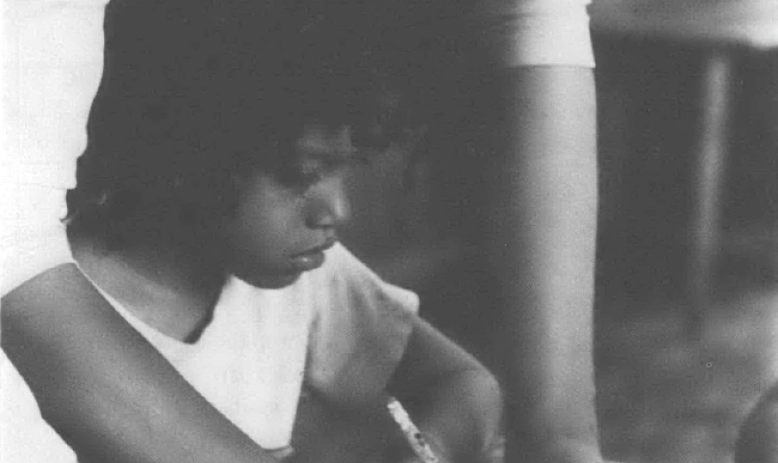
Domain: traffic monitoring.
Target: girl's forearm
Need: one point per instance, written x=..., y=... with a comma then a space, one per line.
x=461, y=415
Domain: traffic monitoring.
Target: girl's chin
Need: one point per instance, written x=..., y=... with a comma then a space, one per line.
x=273, y=281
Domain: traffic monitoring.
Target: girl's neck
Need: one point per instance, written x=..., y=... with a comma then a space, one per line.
x=170, y=288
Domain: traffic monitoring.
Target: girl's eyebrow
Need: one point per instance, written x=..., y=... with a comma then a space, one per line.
x=331, y=155
x=339, y=159
x=331, y=148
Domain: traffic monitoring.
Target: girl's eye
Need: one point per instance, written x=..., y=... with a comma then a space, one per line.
x=309, y=178
x=304, y=175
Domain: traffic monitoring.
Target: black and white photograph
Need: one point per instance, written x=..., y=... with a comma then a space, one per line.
x=389, y=231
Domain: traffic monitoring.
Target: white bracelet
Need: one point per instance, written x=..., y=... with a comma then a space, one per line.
x=412, y=434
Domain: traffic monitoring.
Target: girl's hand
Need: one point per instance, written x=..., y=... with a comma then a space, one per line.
x=410, y=456
x=451, y=397
x=328, y=433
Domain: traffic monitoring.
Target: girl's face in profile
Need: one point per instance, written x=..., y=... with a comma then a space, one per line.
x=284, y=223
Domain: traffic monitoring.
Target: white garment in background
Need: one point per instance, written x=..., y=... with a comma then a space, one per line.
x=52, y=56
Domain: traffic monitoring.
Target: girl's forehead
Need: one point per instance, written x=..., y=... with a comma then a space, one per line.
x=326, y=142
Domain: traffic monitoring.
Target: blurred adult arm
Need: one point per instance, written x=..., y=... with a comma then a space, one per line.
x=544, y=222
x=541, y=235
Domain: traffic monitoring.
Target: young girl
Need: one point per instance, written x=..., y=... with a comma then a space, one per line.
x=141, y=406
x=206, y=213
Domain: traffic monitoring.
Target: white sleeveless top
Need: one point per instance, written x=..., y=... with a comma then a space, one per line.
x=340, y=328
x=249, y=361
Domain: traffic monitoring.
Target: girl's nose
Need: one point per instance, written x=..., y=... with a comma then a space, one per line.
x=330, y=207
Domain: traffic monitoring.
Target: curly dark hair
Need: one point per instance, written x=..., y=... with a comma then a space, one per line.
x=197, y=92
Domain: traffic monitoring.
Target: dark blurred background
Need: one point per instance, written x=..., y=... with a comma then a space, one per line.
x=676, y=372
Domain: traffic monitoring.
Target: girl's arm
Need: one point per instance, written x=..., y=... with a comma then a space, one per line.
x=452, y=398
x=103, y=387
x=758, y=438
x=541, y=240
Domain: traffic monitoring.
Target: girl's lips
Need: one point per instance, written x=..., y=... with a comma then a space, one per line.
x=311, y=259
x=308, y=261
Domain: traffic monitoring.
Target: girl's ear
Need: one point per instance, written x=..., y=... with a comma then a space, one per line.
x=238, y=182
